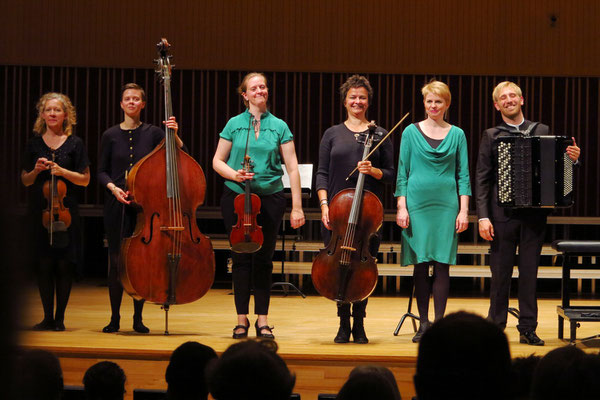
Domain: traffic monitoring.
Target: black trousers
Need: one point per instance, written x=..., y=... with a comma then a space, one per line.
x=254, y=270
x=359, y=308
x=528, y=234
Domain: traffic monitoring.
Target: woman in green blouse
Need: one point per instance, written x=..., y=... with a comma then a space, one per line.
x=269, y=141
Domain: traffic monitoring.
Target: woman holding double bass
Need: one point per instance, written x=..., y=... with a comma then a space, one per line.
x=341, y=150
x=258, y=135
x=54, y=165
x=121, y=147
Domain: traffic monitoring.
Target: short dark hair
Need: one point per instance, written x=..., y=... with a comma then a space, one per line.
x=38, y=376
x=104, y=381
x=257, y=370
x=370, y=382
x=353, y=82
x=466, y=356
x=134, y=86
x=185, y=374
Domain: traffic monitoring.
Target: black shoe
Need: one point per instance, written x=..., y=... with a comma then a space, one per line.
x=531, y=338
x=259, y=330
x=112, y=327
x=139, y=326
x=422, y=328
x=45, y=325
x=59, y=326
x=243, y=334
x=343, y=335
x=358, y=332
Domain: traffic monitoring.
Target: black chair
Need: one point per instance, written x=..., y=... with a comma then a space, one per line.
x=295, y=396
x=149, y=394
x=327, y=396
x=73, y=393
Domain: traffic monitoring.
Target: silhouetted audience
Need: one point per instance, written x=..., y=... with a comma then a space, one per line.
x=38, y=376
x=370, y=382
x=104, y=381
x=567, y=373
x=521, y=375
x=463, y=356
x=250, y=370
x=185, y=373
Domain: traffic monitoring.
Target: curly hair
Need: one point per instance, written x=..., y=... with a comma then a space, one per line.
x=70, y=118
x=356, y=81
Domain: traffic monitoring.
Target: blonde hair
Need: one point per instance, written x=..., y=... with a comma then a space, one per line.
x=499, y=87
x=70, y=118
x=244, y=85
x=439, y=89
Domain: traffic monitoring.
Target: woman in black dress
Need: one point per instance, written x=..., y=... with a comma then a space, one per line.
x=54, y=150
x=339, y=154
x=121, y=147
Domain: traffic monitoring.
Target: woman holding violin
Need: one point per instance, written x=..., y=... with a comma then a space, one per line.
x=265, y=139
x=339, y=153
x=433, y=182
x=121, y=147
x=54, y=164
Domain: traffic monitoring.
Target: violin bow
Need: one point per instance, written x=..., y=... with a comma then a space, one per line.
x=379, y=144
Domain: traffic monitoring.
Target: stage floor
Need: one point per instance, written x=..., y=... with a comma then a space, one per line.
x=304, y=331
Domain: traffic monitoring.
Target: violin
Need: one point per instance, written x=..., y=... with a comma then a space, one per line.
x=167, y=260
x=246, y=235
x=345, y=271
x=56, y=217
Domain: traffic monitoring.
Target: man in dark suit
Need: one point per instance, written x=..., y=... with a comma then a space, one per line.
x=508, y=228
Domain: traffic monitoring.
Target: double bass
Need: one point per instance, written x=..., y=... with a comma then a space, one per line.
x=345, y=271
x=167, y=260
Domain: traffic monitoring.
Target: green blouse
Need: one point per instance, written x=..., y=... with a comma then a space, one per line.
x=264, y=151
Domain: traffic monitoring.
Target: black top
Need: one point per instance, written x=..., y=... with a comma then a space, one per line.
x=339, y=153
x=434, y=143
x=71, y=155
x=119, y=151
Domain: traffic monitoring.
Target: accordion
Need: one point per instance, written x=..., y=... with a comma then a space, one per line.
x=534, y=171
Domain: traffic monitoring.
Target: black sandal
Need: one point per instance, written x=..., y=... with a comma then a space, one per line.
x=243, y=334
x=259, y=330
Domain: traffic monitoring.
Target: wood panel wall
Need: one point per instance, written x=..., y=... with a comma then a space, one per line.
x=458, y=37
x=309, y=102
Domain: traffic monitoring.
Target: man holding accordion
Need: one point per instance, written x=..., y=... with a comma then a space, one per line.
x=506, y=222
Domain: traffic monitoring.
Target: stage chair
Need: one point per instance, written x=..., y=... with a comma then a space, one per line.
x=149, y=394
x=295, y=396
x=327, y=396
x=73, y=393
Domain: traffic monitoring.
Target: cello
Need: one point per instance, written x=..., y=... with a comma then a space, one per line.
x=246, y=235
x=345, y=271
x=167, y=260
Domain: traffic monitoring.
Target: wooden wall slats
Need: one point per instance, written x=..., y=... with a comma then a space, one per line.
x=458, y=37
x=308, y=101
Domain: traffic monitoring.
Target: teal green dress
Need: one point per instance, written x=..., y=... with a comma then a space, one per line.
x=431, y=180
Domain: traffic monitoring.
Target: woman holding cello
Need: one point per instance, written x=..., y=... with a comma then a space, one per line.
x=54, y=164
x=339, y=153
x=265, y=139
x=121, y=147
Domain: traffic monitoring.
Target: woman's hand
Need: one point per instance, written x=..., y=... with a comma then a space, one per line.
x=171, y=123
x=56, y=169
x=325, y=216
x=121, y=195
x=297, y=218
x=366, y=168
x=241, y=175
x=402, y=218
x=41, y=164
x=462, y=221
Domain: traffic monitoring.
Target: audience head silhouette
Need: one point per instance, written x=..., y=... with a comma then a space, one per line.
x=185, y=374
x=250, y=370
x=104, y=381
x=463, y=356
x=38, y=376
x=370, y=382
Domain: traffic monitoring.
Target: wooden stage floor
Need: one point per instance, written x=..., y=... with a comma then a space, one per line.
x=304, y=330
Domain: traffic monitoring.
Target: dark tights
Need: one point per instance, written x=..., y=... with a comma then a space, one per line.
x=55, y=273
x=115, y=292
x=425, y=286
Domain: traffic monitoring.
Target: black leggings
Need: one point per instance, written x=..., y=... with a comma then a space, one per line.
x=256, y=269
x=438, y=285
x=115, y=291
x=55, y=273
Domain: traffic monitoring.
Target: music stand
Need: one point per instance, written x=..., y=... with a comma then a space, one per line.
x=306, y=186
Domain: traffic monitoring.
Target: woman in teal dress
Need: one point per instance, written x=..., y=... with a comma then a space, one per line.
x=433, y=174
